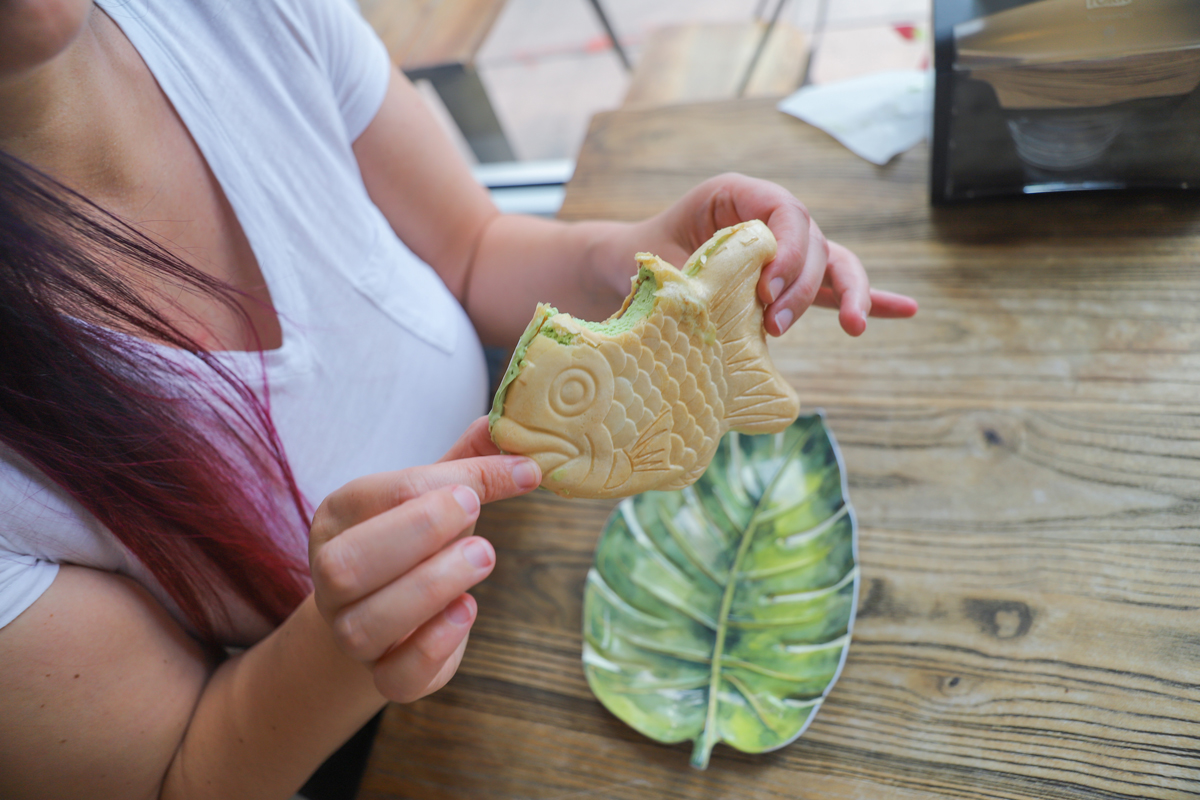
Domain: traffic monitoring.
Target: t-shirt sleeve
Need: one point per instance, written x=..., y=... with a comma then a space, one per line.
x=23, y=579
x=356, y=61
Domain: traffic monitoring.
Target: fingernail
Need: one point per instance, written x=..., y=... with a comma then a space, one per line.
x=466, y=498
x=775, y=287
x=526, y=474
x=783, y=319
x=478, y=553
x=459, y=613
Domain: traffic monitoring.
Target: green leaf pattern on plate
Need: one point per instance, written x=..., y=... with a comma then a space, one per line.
x=722, y=612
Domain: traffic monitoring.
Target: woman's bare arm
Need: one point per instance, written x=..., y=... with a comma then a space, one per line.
x=105, y=696
x=499, y=266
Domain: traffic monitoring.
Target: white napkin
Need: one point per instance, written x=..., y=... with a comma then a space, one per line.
x=875, y=116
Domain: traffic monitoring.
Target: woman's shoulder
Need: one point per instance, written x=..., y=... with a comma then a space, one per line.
x=40, y=528
x=280, y=82
x=39, y=519
x=255, y=34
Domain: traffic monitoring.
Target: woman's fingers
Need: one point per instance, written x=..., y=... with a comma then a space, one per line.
x=731, y=198
x=806, y=269
x=490, y=477
x=805, y=261
x=798, y=294
x=847, y=277
x=389, y=576
x=843, y=286
x=795, y=253
x=368, y=556
x=851, y=293
x=889, y=305
x=884, y=305
x=429, y=657
x=830, y=273
x=374, y=625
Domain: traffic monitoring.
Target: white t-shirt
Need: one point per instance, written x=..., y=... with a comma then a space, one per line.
x=380, y=368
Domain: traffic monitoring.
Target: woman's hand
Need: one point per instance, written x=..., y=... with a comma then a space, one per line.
x=392, y=557
x=807, y=270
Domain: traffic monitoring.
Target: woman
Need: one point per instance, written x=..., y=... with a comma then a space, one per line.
x=214, y=230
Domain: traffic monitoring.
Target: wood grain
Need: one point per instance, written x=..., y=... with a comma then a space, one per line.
x=1024, y=462
x=636, y=163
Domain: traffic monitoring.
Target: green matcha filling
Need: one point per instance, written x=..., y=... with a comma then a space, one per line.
x=562, y=337
x=543, y=313
x=637, y=307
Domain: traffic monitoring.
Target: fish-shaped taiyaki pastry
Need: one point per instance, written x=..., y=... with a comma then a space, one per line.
x=641, y=400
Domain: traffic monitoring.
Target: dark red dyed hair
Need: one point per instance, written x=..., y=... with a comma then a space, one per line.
x=154, y=436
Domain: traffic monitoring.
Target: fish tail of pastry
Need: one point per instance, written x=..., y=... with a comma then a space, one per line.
x=757, y=399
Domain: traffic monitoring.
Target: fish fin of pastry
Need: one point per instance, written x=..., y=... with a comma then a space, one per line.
x=758, y=399
x=652, y=450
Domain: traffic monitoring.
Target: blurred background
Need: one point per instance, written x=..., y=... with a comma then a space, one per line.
x=548, y=66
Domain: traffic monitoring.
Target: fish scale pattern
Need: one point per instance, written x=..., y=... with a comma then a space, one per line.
x=669, y=386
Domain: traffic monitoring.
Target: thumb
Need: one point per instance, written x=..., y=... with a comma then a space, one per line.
x=476, y=441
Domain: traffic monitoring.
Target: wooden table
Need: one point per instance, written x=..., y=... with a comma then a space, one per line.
x=1024, y=458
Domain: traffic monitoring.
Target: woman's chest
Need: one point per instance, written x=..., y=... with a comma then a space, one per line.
x=178, y=202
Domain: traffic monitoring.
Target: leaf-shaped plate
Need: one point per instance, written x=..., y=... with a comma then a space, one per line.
x=722, y=612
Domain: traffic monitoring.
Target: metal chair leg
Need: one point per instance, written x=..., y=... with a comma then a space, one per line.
x=611, y=34
x=762, y=45
x=465, y=98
